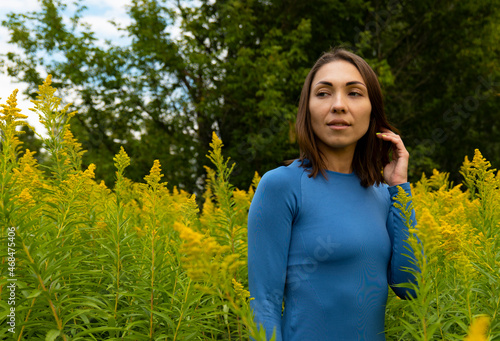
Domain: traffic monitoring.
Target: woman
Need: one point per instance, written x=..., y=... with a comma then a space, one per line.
x=324, y=240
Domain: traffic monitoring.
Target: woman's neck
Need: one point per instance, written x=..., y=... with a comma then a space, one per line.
x=338, y=160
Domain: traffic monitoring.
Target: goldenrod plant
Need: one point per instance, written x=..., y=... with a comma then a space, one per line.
x=459, y=258
x=143, y=260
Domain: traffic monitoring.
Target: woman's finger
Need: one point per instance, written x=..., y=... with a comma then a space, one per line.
x=396, y=140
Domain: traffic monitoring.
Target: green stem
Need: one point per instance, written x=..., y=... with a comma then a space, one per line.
x=182, y=312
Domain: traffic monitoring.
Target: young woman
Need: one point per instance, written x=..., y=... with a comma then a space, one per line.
x=324, y=239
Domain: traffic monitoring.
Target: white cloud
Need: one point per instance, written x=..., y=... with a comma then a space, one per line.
x=115, y=6
x=19, y=6
x=107, y=9
x=104, y=29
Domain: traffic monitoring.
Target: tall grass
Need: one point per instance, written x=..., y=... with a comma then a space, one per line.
x=141, y=261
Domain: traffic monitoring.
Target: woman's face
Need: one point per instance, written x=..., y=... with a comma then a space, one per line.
x=339, y=106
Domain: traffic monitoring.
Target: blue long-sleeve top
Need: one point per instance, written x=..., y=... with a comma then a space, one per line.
x=327, y=248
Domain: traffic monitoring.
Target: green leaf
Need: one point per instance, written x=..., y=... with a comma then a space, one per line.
x=52, y=335
x=34, y=293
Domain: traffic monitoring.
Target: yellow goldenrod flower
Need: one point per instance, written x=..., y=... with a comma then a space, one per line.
x=154, y=176
x=478, y=330
x=47, y=105
x=122, y=160
x=73, y=149
x=10, y=119
x=25, y=198
x=10, y=113
x=240, y=291
x=205, y=259
x=89, y=172
x=241, y=197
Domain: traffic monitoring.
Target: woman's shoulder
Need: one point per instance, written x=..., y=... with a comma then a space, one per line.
x=281, y=185
x=283, y=177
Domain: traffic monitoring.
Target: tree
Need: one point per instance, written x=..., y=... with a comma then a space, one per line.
x=237, y=68
x=442, y=77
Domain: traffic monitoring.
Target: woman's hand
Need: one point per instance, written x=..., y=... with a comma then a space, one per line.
x=396, y=171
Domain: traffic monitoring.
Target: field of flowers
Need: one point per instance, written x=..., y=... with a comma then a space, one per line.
x=81, y=261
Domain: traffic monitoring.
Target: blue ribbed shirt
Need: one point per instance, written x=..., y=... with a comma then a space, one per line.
x=327, y=248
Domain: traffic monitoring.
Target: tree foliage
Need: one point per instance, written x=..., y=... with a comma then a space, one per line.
x=237, y=67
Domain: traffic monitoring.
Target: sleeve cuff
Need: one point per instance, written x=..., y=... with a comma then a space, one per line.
x=393, y=190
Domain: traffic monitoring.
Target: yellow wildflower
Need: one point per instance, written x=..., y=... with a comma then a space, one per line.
x=240, y=196
x=102, y=185
x=216, y=143
x=477, y=172
x=189, y=209
x=154, y=176
x=27, y=173
x=256, y=179
x=215, y=155
x=478, y=330
x=439, y=180
x=25, y=198
x=73, y=149
x=10, y=119
x=10, y=112
x=428, y=229
x=46, y=104
x=204, y=258
x=89, y=172
x=122, y=160
x=240, y=290
x=207, y=214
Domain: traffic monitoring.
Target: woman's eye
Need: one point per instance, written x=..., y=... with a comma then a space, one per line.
x=322, y=94
x=354, y=93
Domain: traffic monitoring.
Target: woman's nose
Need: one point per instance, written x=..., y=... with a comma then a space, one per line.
x=338, y=104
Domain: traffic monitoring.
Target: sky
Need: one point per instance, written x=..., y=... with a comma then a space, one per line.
x=98, y=15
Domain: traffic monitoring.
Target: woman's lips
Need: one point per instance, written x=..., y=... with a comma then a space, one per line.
x=338, y=124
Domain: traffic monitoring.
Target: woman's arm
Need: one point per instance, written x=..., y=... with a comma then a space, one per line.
x=402, y=257
x=270, y=219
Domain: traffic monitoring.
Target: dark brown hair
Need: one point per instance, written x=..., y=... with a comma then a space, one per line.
x=371, y=153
